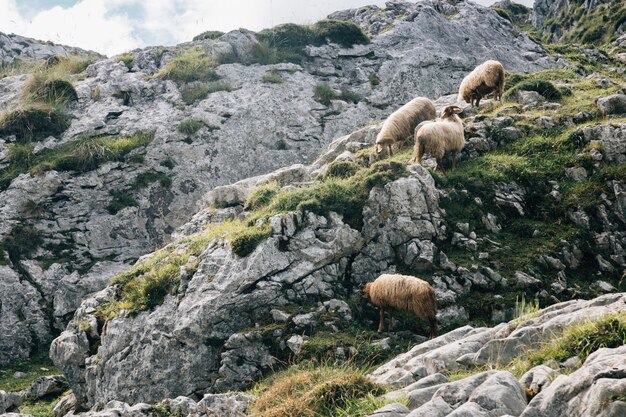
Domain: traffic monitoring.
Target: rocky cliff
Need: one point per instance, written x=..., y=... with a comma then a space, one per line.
x=68, y=227
x=264, y=270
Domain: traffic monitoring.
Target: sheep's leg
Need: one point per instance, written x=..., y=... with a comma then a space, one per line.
x=390, y=150
x=390, y=322
x=381, y=321
x=440, y=165
x=453, y=159
x=432, y=321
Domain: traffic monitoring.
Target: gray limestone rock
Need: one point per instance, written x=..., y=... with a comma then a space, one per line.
x=391, y=410
x=613, y=104
x=9, y=401
x=45, y=385
x=592, y=390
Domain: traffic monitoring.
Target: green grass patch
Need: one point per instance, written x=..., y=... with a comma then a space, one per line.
x=190, y=126
x=209, y=34
x=341, y=169
x=191, y=65
x=315, y=391
x=33, y=121
x=127, y=59
x=35, y=367
x=346, y=196
x=81, y=155
x=272, y=78
x=191, y=94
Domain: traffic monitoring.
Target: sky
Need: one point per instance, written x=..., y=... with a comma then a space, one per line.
x=115, y=26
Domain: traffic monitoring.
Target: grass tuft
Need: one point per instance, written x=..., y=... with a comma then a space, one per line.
x=191, y=65
x=190, y=126
x=315, y=391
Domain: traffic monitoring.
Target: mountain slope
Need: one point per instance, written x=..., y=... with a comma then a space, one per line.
x=131, y=144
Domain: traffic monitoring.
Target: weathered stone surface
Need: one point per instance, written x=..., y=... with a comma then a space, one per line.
x=613, y=104
x=9, y=401
x=593, y=390
x=14, y=46
x=391, y=410
x=46, y=385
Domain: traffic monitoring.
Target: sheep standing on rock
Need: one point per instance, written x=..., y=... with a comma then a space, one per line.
x=486, y=78
x=402, y=292
x=400, y=125
x=435, y=138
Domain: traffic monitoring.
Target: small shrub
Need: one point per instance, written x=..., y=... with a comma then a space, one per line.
x=145, y=179
x=190, y=126
x=127, y=59
x=209, y=34
x=341, y=169
x=374, y=79
x=349, y=96
x=21, y=155
x=342, y=32
x=273, y=78
x=323, y=93
x=121, y=200
x=245, y=241
x=168, y=163
x=264, y=53
x=56, y=92
x=192, y=65
x=33, y=122
x=286, y=36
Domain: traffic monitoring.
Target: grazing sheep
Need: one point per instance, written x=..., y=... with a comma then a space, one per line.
x=486, y=78
x=400, y=125
x=435, y=138
x=402, y=292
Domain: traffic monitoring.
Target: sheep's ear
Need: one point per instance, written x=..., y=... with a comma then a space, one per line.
x=457, y=109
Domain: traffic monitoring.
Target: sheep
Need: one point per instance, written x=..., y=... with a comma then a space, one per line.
x=400, y=124
x=402, y=292
x=486, y=78
x=435, y=138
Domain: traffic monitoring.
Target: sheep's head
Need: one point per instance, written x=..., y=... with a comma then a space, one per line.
x=379, y=148
x=450, y=110
x=365, y=290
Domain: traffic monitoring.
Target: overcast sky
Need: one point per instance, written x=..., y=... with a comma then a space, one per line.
x=114, y=26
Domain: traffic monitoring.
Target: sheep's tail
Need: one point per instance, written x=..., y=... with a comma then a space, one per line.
x=419, y=150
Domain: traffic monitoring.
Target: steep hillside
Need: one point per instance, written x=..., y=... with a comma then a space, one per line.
x=248, y=161
x=99, y=165
x=535, y=212
x=591, y=22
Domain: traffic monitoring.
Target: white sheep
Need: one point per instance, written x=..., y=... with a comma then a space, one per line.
x=486, y=78
x=400, y=125
x=446, y=134
x=403, y=292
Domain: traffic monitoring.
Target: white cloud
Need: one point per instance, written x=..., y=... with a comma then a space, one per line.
x=87, y=24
